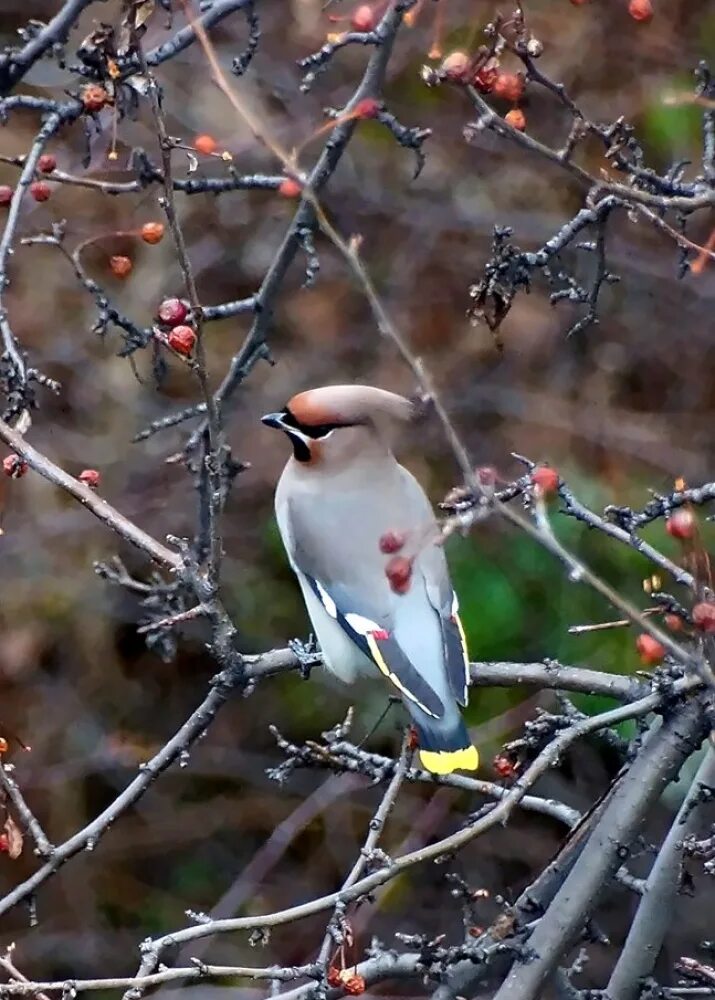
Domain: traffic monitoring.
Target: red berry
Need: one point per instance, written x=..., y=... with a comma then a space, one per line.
x=516, y=118
x=368, y=107
x=509, y=86
x=205, y=144
x=40, y=190
x=681, y=524
x=121, y=266
x=94, y=97
x=6, y=193
x=289, y=188
x=392, y=541
x=90, y=477
x=455, y=66
x=152, y=232
x=485, y=78
x=704, y=616
x=641, y=10
x=399, y=572
x=649, y=649
x=172, y=312
x=182, y=339
x=353, y=984
x=504, y=766
x=4, y=746
x=47, y=163
x=4, y=843
x=333, y=976
x=546, y=478
x=14, y=467
x=363, y=18
x=579, y=3
x=673, y=622
x=486, y=475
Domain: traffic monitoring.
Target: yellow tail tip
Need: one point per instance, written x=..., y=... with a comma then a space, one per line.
x=446, y=761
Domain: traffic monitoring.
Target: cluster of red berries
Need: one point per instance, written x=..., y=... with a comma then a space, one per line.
x=152, y=233
x=181, y=337
x=457, y=67
x=652, y=652
x=399, y=568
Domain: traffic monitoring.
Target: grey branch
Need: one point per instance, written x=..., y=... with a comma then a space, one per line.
x=655, y=912
x=659, y=762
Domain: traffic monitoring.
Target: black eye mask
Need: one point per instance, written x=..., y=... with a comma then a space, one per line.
x=314, y=431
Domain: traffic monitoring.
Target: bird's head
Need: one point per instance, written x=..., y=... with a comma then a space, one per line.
x=337, y=423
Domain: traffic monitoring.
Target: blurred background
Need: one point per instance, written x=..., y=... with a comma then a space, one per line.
x=621, y=410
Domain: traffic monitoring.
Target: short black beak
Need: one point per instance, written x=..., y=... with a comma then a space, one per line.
x=273, y=420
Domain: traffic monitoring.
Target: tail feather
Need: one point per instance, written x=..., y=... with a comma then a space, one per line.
x=445, y=748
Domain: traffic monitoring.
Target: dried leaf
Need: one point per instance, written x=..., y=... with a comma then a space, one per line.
x=193, y=163
x=14, y=838
x=142, y=12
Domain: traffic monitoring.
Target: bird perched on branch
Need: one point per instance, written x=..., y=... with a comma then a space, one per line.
x=362, y=539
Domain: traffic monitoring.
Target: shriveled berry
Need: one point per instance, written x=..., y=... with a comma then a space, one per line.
x=289, y=188
x=368, y=107
x=392, y=541
x=14, y=466
x=47, y=163
x=182, y=340
x=363, y=18
x=509, y=86
x=516, y=118
x=205, y=144
x=649, y=649
x=40, y=190
x=6, y=193
x=485, y=78
x=504, y=766
x=681, y=524
x=641, y=10
x=152, y=232
x=353, y=984
x=454, y=66
x=704, y=616
x=673, y=622
x=90, y=477
x=546, y=478
x=121, y=266
x=399, y=572
x=333, y=976
x=94, y=97
x=486, y=475
x=172, y=312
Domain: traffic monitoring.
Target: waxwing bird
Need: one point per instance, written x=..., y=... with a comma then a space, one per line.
x=360, y=536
